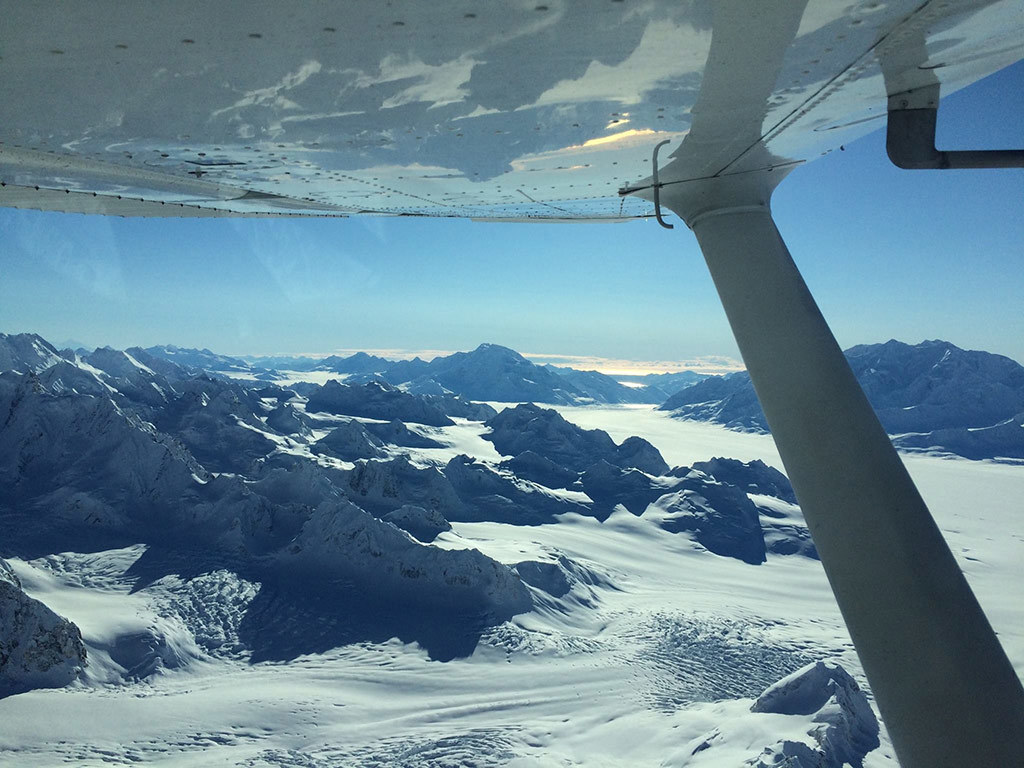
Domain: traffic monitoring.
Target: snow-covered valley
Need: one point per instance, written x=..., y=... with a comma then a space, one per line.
x=605, y=631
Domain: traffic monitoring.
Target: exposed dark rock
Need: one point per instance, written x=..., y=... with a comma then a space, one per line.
x=720, y=517
x=549, y=577
x=26, y=352
x=396, y=433
x=375, y=400
x=609, y=485
x=752, y=476
x=726, y=400
x=543, y=431
x=383, y=486
x=541, y=470
x=640, y=454
x=1004, y=440
x=198, y=359
x=935, y=389
x=342, y=539
x=489, y=495
x=217, y=421
x=360, y=362
x=453, y=405
x=423, y=524
x=38, y=648
x=286, y=420
x=350, y=441
x=847, y=730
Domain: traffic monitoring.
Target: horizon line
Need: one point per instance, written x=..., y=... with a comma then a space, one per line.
x=610, y=366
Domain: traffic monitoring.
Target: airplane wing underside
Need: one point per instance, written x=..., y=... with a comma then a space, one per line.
x=512, y=111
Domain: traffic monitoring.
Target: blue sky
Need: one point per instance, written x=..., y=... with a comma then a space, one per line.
x=887, y=253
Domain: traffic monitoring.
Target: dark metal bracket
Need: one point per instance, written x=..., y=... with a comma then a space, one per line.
x=910, y=137
x=657, y=185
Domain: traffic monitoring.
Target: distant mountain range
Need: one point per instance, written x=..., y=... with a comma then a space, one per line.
x=930, y=396
x=490, y=372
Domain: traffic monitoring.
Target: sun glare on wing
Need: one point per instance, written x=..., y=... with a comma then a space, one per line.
x=617, y=137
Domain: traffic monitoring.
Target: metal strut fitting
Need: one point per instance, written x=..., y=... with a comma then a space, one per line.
x=910, y=137
x=657, y=185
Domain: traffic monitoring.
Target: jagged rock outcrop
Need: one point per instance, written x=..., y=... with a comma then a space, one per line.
x=845, y=729
x=936, y=385
x=286, y=420
x=350, y=441
x=528, y=427
x=489, y=495
x=609, y=485
x=1004, y=440
x=461, y=408
x=198, y=359
x=640, y=454
x=489, y=372
x=546, y=432
x=343, y=539
x=26, y=353
x=422, y=524
x=597, y=387
x=218, y=422
x=134, y=380
x=170, y=371
x=540, y=469
x=548, y=577
x=383, y=486
x=59, y=445
x=752, y=476
x=719, y=516
x=397, y=433
x=360, y=362
x=38, y=648
x=727, y=400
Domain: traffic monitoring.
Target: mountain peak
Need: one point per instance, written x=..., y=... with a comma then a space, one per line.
x=497, y=350
x=26, y=352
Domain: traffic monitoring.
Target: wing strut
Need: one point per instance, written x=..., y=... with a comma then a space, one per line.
x=944, y=686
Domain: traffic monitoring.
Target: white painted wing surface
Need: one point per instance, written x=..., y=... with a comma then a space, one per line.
x=524, y=111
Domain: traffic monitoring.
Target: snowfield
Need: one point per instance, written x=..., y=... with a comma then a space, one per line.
x=642, y=648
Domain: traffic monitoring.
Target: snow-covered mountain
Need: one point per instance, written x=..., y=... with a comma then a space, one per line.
x=38, y=648
x=360, y=362
x=198, y=359
x=601, y=388
x=26, y=352
x=80, y=466
x=376, y=400
x=125, y=447
x=475, y=585
x=543, y=431
x=490, y=373
x=932, y=395
x=662, y=386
